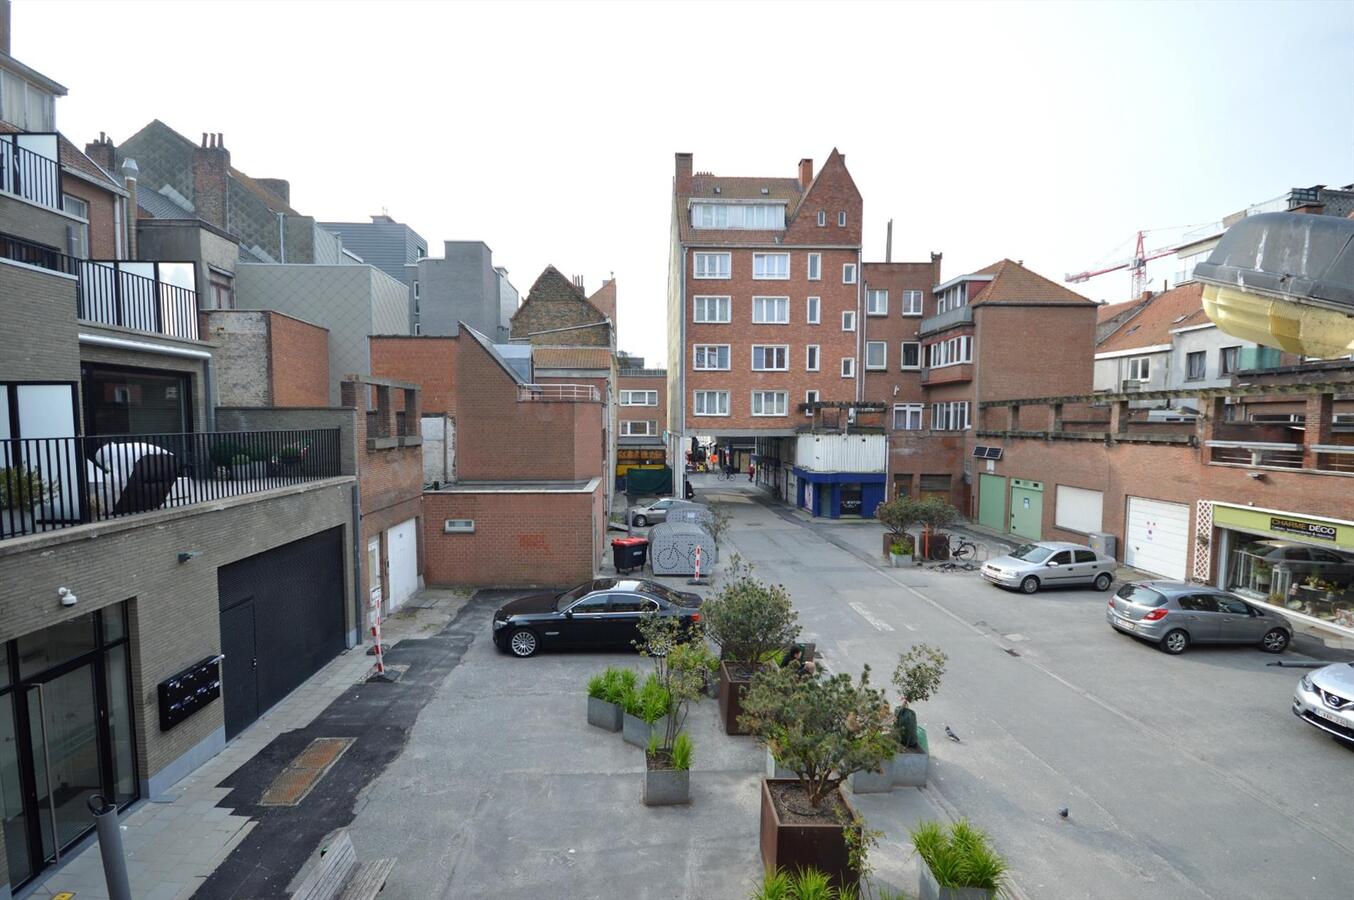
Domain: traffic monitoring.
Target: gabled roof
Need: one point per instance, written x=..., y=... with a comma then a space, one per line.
x=489, y=348
x=1108, y=311
x=72, y=157
x=571, y=358
x=1013, y=283
x=552, y=285
x=604, y=298
x=1180, y=307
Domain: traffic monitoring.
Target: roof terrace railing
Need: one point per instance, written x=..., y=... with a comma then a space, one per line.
x=557, y=393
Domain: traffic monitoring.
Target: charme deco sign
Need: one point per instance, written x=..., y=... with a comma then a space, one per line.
x=1306, y=529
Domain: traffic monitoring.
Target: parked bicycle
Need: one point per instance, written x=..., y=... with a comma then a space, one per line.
x=725, y=474
x=962, y=550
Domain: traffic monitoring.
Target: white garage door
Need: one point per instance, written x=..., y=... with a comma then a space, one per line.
x=1158, y=537
x=402, y=551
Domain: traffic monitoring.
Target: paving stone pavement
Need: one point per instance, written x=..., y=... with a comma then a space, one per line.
x=175, y=841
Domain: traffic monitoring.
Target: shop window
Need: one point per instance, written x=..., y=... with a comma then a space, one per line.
x=1303, y=578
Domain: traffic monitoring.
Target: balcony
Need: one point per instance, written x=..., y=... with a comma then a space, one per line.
x=146, y=296
x=557, y=393
x=29, y=168
x=1251, y=358
x=1256, y=453
x=47, y=484
x=962, y=315
x=947, y=374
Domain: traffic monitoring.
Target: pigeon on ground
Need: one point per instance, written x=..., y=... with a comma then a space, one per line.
x=951, y=735
x=1063, y=812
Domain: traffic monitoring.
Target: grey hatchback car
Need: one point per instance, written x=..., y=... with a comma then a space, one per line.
x=1174, y=615
x=1050, y=564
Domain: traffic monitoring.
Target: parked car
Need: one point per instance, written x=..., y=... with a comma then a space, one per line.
x=1050, y=564
x=1325, y=698
x=655, y=512
x=1174, y=615
x=604, y=612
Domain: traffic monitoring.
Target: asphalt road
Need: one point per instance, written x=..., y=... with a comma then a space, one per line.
x=1185, y=776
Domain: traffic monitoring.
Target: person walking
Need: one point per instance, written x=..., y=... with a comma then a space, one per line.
x=752, y=471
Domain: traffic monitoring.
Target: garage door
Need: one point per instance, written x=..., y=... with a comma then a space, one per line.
x=402, y=551
x=1157, y=537
x=281, y=621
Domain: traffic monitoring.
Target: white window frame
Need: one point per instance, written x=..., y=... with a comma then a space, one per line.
x=723, y=273
x=813, y=268
x=696, y=304
x=762, y=257
x=902, y=356
x=627, y=398
x=848, y=273
x=951, y=416
x=848, y=367
x=785, y=301
x=810, y=397
x=813, y=357
x=813, y=310
x=760, y=398
x=841, y=219
x=870, y=295
x=696, y=353
x=822, y=218
x=848, y=320
x=721, y=400
x=909, y=411
x=907, y=299
x=883, y=347
x=1139, y=368
x=628, y=428
x=782, y=350
x=955, y=351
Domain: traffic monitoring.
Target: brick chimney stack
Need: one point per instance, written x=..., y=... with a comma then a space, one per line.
x=684, y=163
x=211, y=171
x=101, y=151
x=805, y=174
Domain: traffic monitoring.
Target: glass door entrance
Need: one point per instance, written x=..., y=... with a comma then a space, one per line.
x=63, y=725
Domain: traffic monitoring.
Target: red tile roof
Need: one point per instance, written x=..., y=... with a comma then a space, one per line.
x=1013, y=283
x=1177, y=308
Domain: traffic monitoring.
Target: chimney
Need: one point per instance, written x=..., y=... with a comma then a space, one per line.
x=578, y=283
x=4, y=27
x=280, y=187
x=805, y=174
x=935, y=267
x=683, y=181
x=888, y=244
x=211, y=169
x=101, y=151
x=130, y=170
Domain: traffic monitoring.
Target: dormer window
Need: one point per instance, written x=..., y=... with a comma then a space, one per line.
x=759, y=216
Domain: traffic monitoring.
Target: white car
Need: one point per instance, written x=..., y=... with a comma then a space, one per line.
x=1325, y=698
x=1030, y=567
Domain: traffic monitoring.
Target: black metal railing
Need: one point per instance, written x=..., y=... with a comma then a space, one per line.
x=29, y=175
x=35, y=254
x=52, y=483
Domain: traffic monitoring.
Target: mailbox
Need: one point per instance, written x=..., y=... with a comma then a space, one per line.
x=186, y=692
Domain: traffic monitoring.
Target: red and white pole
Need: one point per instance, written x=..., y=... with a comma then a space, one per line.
x=376, y=638
x=698, y=562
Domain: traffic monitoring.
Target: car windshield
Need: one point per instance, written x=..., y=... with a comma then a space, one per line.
x=1141, y=595
x=1031, y=553
x=587, y=587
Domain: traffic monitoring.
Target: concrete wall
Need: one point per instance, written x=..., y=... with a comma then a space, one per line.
x=38, y=342
x=460, y=287
x=34, y=223
x=1110, y=374
x=188, y=241
x=439, y=449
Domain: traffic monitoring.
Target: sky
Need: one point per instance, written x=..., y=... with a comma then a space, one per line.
x=1048, y=133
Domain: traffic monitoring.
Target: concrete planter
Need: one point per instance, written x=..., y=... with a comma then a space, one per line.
x=797, y=846
x=880, y=782
x=604, y=715
x=911, y=769
x=774, y=769
x=900, y=560
x=732, y=686
x=929, y=888
x=635, y=730
x=667, y=787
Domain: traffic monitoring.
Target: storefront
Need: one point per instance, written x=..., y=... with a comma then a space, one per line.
x=1302, y=565
x=838, y=494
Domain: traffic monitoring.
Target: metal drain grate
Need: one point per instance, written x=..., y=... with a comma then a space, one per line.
x=293, y=783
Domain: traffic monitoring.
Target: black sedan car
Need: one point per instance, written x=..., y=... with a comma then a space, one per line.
x=604, y=612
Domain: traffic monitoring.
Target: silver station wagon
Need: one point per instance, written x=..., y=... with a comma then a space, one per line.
x=1174, y=615
x=1050, y=564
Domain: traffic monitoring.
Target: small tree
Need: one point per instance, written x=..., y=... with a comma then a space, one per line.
x=935, y=513
x=681, y=663
x=748, y=618
x=718, y=524
x=822, y=729
x=899, y=514
x=917, y=677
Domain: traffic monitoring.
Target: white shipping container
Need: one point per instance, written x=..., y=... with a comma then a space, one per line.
x=841, y=452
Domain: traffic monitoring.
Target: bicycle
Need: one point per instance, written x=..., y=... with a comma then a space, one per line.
x=725, y=475
x=963, y=550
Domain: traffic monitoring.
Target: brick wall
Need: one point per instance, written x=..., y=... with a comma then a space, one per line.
x=894, y=328
x=34, y=223
x=241, y=357
x=656, y=414
x=1033, y=351
x=102, y=217
x=554, y=303
x=429, y=362
x=299, y=362
x=40, y=340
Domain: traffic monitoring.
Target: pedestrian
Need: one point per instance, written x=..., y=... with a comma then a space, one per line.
x=752, y=471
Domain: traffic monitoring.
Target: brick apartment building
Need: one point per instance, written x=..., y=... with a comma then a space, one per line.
x=642, y=411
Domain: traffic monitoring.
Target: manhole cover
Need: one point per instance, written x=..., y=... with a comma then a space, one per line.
x=293, y=783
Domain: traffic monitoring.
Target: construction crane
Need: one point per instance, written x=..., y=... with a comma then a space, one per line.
x=1137, y=264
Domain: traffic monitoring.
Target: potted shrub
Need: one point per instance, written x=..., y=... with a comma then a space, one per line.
x=606, y=697
x=645, y=712
x=823, y=730
x=22, y=488
x=934, y=514
x=667, y=771
x=917, y=678
x=749, y=620
x=900, y=552
x=958, y=863
x=898, y=515
x=225, y=455
x=681, y=668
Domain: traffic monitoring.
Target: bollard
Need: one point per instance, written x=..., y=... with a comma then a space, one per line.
x=110, y=847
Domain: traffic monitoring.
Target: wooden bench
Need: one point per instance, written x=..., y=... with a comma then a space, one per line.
x=339, y=876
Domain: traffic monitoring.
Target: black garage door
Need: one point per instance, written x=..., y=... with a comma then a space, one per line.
x=281, y=620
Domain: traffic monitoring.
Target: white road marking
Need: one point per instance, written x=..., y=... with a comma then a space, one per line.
x=870, y=617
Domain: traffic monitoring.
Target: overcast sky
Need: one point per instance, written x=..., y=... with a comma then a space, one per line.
x=1048, y=133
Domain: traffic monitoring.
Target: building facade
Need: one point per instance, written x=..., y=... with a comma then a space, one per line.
x=463, y=285
x=642, y=418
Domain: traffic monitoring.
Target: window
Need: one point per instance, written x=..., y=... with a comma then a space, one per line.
x=841, y=220
x=770, y=358
x=771, y=265
x=221, y=290
x=876, y=355
x=848, y=367
x=876, y=302
x=707, y=357
x=712, y=265
x=810, y=397
x=77, y=207
x=822, y=218
x=771, y=310
x=907, y=417
x=1063, y=558
x=743, y=215
x=418, y=329
x=811, y=358
x=710, y=403
x=769, y=403
x=912, y=303
x=1227, y=357
x=952, y=298
x=911, y=355
x=1140, y=368
x=1083, y=556
x=812, y=314
x=815, y=267
x=848, y=273
x=1196, y=365
x=416, y=289
x=849, y=320
x=711, y=309
x=950, y=352
x=951, y=416
x=639, y=398
x=637, y=428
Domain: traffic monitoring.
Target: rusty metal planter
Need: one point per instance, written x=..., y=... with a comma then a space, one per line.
x=796, y=846
x=732, y=686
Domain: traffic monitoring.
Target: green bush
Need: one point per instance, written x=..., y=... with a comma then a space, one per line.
x=899, y=514
x=225, y=453
x=917, y=677
x=681, y=752
x=597, y=685
x=959, y=857
x=806, y=884
x=621, y=686
x=22, y=487
x=901, y=547
x=651, y=701
x=748, y=618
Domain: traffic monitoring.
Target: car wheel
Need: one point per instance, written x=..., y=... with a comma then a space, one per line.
x=640, y=521
x=1030, y=584
x=1103, y=581
x=523, y=643
x=1275, y=641
x=1175, y=642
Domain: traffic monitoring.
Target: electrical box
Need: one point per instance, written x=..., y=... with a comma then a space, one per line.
x=1103, y=544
